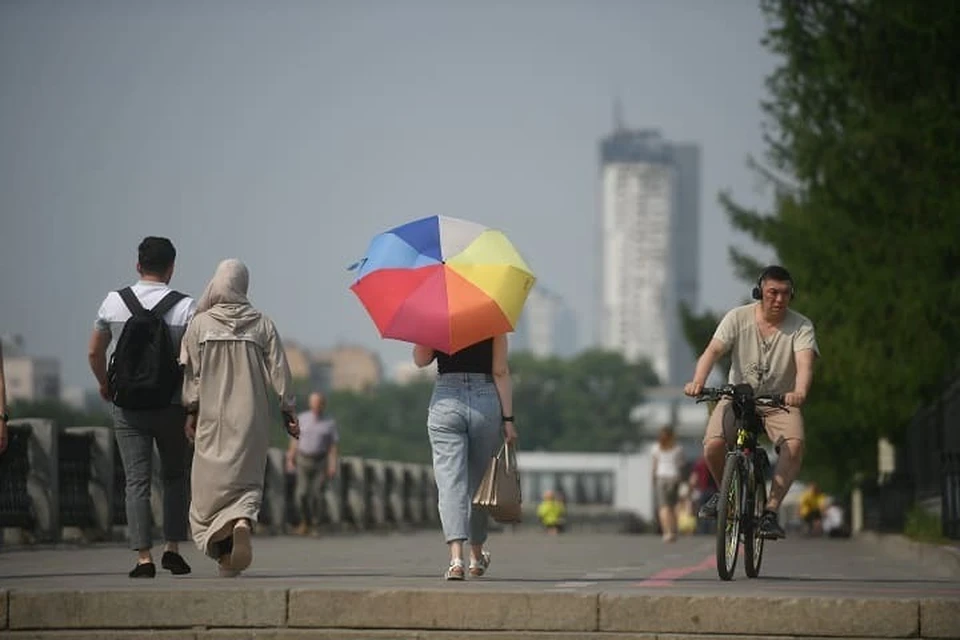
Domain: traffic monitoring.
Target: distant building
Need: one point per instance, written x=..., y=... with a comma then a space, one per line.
x=649, y=229
x=29, y=378
x=344, y=367
x=407, y=372
x=353, y=368
x=305, y=366
x=547, y=326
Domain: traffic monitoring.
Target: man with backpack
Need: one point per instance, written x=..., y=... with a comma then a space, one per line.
x=143, y=380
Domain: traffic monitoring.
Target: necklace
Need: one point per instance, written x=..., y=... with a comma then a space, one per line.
x=766, y=345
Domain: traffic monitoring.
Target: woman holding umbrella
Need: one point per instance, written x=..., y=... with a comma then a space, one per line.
x=471, y=413
x=454, y=289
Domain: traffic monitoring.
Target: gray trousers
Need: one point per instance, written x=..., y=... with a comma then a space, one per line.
x=311, y=479
x=465, y=432
x=136, y=432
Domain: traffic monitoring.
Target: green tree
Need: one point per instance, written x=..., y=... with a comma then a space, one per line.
x=698, y=330
x=578, y=404
x=863, y=134
x=61, y=413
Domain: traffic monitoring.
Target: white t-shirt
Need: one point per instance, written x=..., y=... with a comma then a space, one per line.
x=832, y=518
x=668, y=462
x=113, y=314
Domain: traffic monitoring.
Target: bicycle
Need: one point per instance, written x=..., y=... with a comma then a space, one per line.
x=743, y=489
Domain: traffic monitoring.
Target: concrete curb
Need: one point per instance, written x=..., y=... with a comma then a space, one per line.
x=442, y=609
x=149, y=609
x=288, y=614
x=943, y=559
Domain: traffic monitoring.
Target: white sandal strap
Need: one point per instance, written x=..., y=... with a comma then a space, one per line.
x=483, y=562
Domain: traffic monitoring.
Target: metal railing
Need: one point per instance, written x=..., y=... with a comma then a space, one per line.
x=928, y=470
x=53, y=477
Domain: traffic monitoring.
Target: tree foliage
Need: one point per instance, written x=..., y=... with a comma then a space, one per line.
x=698, y=330
x=61, y=413
x=863, y=152
x=578, y=404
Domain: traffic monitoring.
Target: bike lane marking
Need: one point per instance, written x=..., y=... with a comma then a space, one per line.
x=666, y=577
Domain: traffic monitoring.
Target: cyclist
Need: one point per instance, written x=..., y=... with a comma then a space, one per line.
x=772, y=349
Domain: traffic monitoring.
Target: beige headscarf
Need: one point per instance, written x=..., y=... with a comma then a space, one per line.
x=229, y=285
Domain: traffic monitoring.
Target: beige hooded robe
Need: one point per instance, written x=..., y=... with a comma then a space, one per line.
x=233, y=361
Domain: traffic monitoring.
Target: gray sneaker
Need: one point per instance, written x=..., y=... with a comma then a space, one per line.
x=709, y=509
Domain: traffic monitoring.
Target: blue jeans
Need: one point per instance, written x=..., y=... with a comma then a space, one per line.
x=465, y=432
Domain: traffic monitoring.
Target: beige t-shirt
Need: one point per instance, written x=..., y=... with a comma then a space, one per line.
x=767, y=365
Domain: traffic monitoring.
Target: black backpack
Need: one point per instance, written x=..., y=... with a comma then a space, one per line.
x=144, y=371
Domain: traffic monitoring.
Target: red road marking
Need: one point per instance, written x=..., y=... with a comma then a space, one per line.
x=666, y=577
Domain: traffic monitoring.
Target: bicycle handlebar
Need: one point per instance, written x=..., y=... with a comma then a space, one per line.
x=728, y=391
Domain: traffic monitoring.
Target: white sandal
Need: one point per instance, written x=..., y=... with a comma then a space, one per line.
x=479, y=567
x=455, y=570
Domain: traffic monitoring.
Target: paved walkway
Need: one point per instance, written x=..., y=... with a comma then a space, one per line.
x=522, y=561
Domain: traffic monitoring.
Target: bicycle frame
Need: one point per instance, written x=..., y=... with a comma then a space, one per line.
x=744, y=480
x=753, y=458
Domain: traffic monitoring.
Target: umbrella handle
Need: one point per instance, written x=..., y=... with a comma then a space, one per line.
x=356, y=265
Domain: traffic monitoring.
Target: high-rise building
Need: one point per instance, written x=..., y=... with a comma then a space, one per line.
x=649, y=247
x=547, y=326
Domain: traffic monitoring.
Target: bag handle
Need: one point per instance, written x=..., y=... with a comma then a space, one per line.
x=511, y=456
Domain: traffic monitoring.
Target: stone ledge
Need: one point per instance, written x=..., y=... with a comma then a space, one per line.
x=373, y=634
x=113, y=634
x=151, y=609
x=939, y=619
x=393, y=634
x=752, y=616
x=436, y=609
x=300, y=613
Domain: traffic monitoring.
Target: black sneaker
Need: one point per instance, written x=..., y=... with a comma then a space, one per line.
x=144, y=570
x=770, y=528
x=709, y=509
x=174, y=563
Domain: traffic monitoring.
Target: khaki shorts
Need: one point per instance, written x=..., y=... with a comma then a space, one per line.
x=780, y=425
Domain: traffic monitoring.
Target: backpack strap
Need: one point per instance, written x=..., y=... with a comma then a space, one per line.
x=130, y=299
x=168, y=302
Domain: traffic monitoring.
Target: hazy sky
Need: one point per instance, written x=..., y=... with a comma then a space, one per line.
x=287, y=133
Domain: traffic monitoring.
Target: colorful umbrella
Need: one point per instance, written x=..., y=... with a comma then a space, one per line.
x=442, y=282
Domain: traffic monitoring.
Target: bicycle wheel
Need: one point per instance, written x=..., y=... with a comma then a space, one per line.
x=752, y=540
x=728, y=517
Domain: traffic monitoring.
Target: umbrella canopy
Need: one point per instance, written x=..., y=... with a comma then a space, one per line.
x=442, y=282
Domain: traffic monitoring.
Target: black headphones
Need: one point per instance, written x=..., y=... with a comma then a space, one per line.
x=781, y=273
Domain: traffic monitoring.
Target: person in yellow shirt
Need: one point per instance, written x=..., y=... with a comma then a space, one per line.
x=552, y=513
x=812, y=505
x=686, y=521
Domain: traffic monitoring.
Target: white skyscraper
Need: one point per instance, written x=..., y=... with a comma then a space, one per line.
x=547, y=326
x=649, y=248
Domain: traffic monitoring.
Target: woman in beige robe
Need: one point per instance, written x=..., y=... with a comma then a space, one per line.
x=233, y=359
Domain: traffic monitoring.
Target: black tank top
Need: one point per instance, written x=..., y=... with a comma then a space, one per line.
x=477, y=358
